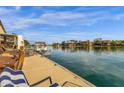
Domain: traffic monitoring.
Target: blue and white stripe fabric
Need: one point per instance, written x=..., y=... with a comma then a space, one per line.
x=55, y=85
x=13, y=78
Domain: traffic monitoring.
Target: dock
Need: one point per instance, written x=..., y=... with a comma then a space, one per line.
x=37, y=68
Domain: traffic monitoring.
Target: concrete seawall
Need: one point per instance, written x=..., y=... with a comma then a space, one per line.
x=37, y=68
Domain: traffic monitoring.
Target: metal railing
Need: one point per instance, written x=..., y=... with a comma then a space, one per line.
x=41, y=81
x=68, y=82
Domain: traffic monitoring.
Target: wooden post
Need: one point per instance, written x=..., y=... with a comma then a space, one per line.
x=20, y=59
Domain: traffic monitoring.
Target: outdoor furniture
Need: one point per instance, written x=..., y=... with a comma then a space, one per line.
x=18, y=65
x=55, y=85
x=2, y=49
x=6, y=62
x=14, y=61
x=68, y=84
x=11, y=78
x=6, y=59
x=16, y=78
x=12, y=75
x=29, y=52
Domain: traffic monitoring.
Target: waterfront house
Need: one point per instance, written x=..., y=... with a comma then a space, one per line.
x=36, y=68
x=39, y=46
x=75, y=43
x=10, y=41
x=2, y=29
x=69, y=43
x=8, y=45
x=56, y=45
x=86, y=43
x=107, y=43
x=117, y=43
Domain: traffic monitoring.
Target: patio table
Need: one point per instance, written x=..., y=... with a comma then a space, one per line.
x=6, y=61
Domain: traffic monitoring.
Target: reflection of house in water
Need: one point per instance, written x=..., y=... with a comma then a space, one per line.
x=98, y=45
x=39, y=46
x=75, y=49
x=75, y=45
x=107, y=50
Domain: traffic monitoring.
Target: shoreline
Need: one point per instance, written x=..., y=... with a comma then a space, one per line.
x=43, y=67
x=77, y=76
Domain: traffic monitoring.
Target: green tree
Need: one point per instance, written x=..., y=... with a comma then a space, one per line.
x=26, y=42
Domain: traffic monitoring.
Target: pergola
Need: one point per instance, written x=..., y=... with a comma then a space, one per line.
x=9, y=40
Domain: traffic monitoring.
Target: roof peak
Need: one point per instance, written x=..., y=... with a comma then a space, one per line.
x=2, y=26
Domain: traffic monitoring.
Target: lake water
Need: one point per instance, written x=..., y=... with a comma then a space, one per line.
x=100, y=66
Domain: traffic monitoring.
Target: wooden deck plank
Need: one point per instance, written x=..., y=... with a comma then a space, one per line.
x=37, y=68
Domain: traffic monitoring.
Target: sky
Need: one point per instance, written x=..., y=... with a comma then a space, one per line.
x=59, y=23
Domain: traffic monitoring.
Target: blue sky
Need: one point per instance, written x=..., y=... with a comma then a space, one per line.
x=56, y=24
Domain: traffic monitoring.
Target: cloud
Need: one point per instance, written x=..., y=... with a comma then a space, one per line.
x=56, y=18
x=14, y=20
x=18, y=8
x=9, y=10
x=119, y=16
x=4, y=11
x=64, y=19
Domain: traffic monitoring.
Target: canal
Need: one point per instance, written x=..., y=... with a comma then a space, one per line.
x=100, y=66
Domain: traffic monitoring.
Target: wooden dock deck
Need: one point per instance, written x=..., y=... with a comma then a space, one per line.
x=37, y=68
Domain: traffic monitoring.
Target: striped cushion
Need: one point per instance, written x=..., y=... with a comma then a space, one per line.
x=12, y=78
x=55, y=85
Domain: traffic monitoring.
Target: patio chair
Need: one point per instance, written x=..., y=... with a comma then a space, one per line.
x=15, y=62
x=16, y=78
x=2, y=49
x=20, y=60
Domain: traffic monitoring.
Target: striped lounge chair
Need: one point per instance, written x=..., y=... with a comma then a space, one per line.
x=16, y=78
x=11, y=78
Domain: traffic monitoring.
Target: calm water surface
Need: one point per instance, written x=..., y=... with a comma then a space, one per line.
x=100, y=66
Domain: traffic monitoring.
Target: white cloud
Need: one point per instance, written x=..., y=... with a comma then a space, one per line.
x=14, y=22
x=18, y=8
x=119, y=16
x=4, y=11
x=65, y=19
x=55, y=19
x=8, y=11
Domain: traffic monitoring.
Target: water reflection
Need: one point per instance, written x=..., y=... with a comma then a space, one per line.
x=103, y=66
x=96, y=50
